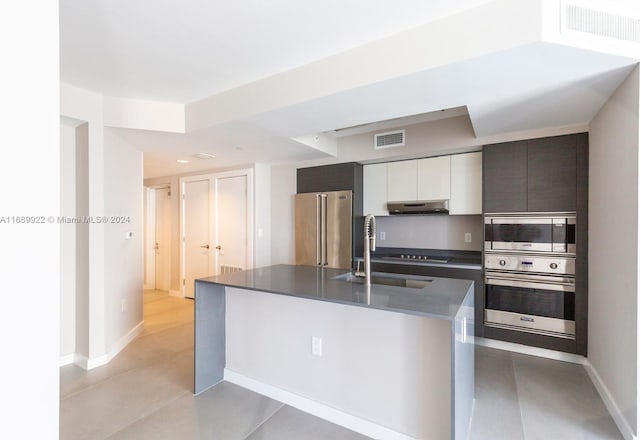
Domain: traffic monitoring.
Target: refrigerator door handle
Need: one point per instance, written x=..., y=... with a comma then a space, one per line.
x=318, y=230
x=325, y=257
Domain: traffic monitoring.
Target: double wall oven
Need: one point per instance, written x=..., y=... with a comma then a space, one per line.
x=530, y=272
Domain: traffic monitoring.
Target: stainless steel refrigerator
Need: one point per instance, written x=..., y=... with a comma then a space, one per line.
x=323, y=229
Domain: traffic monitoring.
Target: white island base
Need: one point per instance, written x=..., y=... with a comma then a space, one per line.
x=385, y=374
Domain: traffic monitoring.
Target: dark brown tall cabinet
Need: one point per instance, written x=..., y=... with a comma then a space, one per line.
x=543, y=175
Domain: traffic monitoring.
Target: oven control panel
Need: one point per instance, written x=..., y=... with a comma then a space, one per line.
x=530, y=263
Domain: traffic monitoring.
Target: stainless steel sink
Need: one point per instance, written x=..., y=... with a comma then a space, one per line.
x=387, y=279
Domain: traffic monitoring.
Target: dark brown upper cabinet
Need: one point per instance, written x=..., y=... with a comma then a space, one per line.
x=337, y=177
x=504, y=177
x=536, y=175
x=551, y=179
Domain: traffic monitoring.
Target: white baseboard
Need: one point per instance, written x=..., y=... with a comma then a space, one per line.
x=90, y=363
x=533, y=351
x=177, y=293
x=610, y=403
x=333, y=415
x=67, y=359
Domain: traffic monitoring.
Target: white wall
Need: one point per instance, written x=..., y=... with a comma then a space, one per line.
x=30, y=257
x=283, y=189
x=614, y=141
x=360, y=346
x=262, y=212
x=124, y=257
x=113, y=187
x=67, y=238
x=87, y=106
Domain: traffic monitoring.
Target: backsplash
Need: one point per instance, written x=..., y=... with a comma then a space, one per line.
x=430, y=231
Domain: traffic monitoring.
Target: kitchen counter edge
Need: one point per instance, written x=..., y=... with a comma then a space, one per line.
x=441, y=300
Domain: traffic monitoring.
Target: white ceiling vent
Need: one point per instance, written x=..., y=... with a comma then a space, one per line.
x=389, y=139
x=604, y=24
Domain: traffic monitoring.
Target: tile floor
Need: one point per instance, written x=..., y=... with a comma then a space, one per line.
x=145, y=393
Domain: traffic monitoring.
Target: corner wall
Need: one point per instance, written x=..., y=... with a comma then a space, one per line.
x=124, y=257
x=113, y=178
x=614, y=142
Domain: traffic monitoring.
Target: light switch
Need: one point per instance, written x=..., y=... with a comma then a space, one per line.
x=316, y=346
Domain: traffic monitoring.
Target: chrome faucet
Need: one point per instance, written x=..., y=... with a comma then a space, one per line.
x=369, y=245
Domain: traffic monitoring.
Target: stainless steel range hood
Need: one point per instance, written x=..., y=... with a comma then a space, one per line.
x=419, y=207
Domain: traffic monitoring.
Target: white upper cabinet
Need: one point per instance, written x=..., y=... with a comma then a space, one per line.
x=457, y=178
x=374, y=183
x=402, y=181
x=466, y=184
x=434, y=178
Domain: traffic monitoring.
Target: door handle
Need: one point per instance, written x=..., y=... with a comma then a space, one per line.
x=219, y=247
x=156, y=246
x=206, y=246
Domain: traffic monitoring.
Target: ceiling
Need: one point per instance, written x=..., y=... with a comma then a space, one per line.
x=185, y=50
x=189, y=51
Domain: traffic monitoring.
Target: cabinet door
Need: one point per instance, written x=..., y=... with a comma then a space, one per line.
x=338, y=177
x=466, y=184
x=504, y=177
x=374, y=183
x=552, y=166
x=434, y=178
x=402, y=181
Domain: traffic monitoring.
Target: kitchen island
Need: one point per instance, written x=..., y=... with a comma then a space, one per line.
x=387, y=361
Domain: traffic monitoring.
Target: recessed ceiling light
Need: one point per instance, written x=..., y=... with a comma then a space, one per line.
x=204, y=156
x=182, y=161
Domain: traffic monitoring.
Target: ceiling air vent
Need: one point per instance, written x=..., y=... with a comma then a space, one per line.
x=605, y=24
x=389, y=139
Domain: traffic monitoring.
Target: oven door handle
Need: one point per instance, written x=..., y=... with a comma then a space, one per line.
x=546, y=285
x=547, y=221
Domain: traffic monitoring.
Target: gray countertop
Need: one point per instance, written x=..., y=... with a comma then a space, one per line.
x=440, y=299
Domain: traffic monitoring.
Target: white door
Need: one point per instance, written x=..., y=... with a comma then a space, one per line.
x=162, y=244
x=231, y=220
x=149, y=238
x=196, y=233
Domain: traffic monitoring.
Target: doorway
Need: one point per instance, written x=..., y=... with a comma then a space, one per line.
x=216, y=218
x=231, y=221
x=158, y=238
x=196, y=232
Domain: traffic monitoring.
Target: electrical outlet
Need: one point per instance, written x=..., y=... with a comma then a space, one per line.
x=316, y=346
x=383, y=236
x=467, y=237
x=123, y=304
